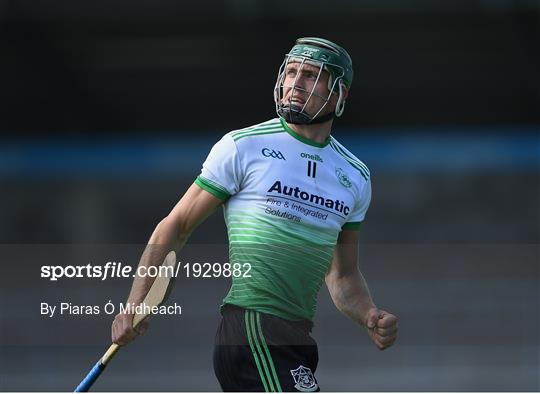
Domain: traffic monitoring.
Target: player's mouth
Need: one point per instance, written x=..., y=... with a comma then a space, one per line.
x=296, y=101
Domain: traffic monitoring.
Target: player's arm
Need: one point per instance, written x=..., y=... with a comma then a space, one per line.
x=350, y=292
x=171, y=233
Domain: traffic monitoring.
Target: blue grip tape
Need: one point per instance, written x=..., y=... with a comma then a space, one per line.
x=90, y=378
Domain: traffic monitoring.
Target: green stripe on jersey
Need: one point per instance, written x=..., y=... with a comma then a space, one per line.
x=239, y=137
x=259, y=127
x=271, y=122
x=349, y=155
x=271, y=127
x=355, y=163
x=212, y=188
x=288, y=264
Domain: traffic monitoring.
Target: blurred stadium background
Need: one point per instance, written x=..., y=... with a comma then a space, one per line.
x=108, y=109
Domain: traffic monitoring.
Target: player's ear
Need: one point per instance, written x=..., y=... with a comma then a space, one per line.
x=341, y=99
x=345, y=93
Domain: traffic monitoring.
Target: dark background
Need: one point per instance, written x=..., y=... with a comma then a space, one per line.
x=108, y=108
x=109, y=66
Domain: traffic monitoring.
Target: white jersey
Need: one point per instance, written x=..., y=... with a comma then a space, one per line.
x=287, y=199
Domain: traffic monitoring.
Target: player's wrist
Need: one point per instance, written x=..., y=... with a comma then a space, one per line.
x=368, y=310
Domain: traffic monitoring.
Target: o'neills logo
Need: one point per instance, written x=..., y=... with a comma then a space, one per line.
x=311, y=157
x=336, y=205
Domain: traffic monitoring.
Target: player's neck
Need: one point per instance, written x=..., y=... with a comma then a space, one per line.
x=315, y=132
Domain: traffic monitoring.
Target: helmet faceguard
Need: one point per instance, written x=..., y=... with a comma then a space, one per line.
x=327, y=57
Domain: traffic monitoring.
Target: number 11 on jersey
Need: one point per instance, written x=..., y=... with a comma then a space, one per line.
x=311, y=168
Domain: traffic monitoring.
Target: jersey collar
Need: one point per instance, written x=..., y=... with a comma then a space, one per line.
x=303, y=139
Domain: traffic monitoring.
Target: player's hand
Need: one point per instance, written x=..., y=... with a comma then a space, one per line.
x=382, y=327
x=122, y=331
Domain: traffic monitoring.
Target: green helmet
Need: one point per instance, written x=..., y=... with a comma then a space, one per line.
x=329, y=57
x=334, y=58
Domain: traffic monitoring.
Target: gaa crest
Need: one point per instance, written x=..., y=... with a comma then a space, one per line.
x=304, y=379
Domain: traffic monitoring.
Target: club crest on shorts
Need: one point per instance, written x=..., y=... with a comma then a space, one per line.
x=304, y=379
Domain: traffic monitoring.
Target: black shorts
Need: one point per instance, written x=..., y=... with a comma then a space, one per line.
x=260, y=352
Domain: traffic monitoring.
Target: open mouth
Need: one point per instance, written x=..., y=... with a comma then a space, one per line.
x=297, y=102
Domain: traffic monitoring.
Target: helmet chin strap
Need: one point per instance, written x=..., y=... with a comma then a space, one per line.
x=293, y=114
